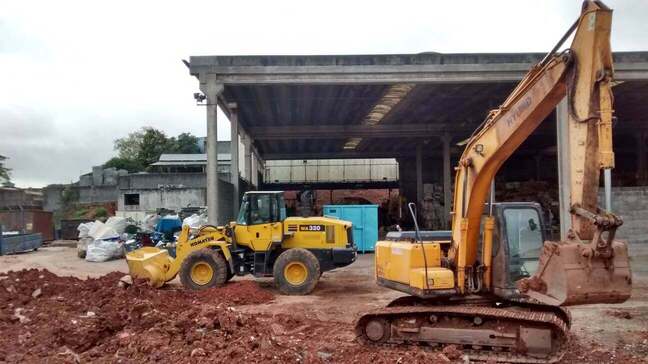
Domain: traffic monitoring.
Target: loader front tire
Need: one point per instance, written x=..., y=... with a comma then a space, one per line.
x=296, y=272
x=202, y=269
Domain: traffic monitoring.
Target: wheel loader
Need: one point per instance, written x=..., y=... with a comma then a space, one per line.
x=262, y=242
x=495, y=285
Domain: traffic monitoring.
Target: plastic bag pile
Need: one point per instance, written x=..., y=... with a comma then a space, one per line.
x=102, y=241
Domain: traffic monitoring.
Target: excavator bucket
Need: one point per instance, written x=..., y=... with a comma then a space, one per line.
x=150, y=264
x=570, y=274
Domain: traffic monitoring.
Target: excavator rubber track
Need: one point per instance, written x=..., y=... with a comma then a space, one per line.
x=524, y=333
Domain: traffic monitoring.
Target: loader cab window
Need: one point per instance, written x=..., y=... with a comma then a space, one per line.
x=259, y=209
x=525, y=240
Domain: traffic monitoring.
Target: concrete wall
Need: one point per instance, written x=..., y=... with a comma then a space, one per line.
x=156, y=180
x=11, y=198
x=94, y=194
x=631, y=204
x=150, y=200
x=175, y=199
x=87, y=194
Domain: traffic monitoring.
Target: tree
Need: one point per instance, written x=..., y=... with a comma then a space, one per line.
x=124, y=163
x=185, y=143
x=5, y=176
x=154, y=143
x=129, y=147
x=141, y=148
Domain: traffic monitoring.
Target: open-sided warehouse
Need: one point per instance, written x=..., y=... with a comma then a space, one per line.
x=415, y=108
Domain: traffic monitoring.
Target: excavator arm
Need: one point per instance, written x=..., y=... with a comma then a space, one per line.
x=582, y=73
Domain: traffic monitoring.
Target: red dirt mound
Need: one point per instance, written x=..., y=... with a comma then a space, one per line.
x=46, y=318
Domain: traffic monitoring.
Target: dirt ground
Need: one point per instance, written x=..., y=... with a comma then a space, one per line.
x=94, y=320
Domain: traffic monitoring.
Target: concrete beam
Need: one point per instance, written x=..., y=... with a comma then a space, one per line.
x=353, y=131
x=382, y=74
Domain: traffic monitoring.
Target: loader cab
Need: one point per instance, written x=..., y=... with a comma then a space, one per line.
x=517, y=245
x=262, y=207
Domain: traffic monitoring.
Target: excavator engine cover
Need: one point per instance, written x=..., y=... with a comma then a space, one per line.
x=570, y=273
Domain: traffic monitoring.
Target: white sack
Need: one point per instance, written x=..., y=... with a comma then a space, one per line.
x=117, y=223
x=195, y=221
x=103, y=250
x=84, y=229
x=94, y=227
x=150, y=221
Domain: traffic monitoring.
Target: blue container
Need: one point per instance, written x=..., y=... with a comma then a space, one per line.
x=365, y=223
x=11, y=244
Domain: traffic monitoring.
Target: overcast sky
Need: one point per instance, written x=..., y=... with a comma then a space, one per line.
x=74, y=76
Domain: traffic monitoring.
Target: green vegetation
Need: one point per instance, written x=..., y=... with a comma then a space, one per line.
x=5, y=176
x=141, y=148
x=100, y=212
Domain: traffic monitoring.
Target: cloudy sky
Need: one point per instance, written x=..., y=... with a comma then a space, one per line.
x=74, y=76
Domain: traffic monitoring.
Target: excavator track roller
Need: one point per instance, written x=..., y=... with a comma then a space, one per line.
x=514, y=334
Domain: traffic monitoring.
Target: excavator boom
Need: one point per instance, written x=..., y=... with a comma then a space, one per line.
x=495, y=287
x=583, y=74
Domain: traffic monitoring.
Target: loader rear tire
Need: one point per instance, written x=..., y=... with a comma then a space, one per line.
x=202, y=269
x=296, y=272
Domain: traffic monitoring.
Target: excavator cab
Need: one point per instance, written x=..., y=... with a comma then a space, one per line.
x=519, y=237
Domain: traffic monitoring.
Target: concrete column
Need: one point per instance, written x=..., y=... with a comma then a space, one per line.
x=247, y=145
x=234, y=153
x=642, y=173
x=538, y=166
x=447, y=181
x=419, y=174
x=564, y=180
x=211, y=92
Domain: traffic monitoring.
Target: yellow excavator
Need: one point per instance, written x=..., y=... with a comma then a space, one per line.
x=262, y=242
x=494, y=285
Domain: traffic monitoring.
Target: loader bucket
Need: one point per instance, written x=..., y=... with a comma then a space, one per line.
x=566, y=276
x=149, y=263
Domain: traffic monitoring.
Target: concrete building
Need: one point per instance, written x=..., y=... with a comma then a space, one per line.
x=176, y=181
x=12, y=198
x=411, y=107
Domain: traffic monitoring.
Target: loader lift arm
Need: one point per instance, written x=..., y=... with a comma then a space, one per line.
x=582, y=73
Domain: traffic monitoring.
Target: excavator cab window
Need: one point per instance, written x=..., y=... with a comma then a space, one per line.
x=525, y=239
